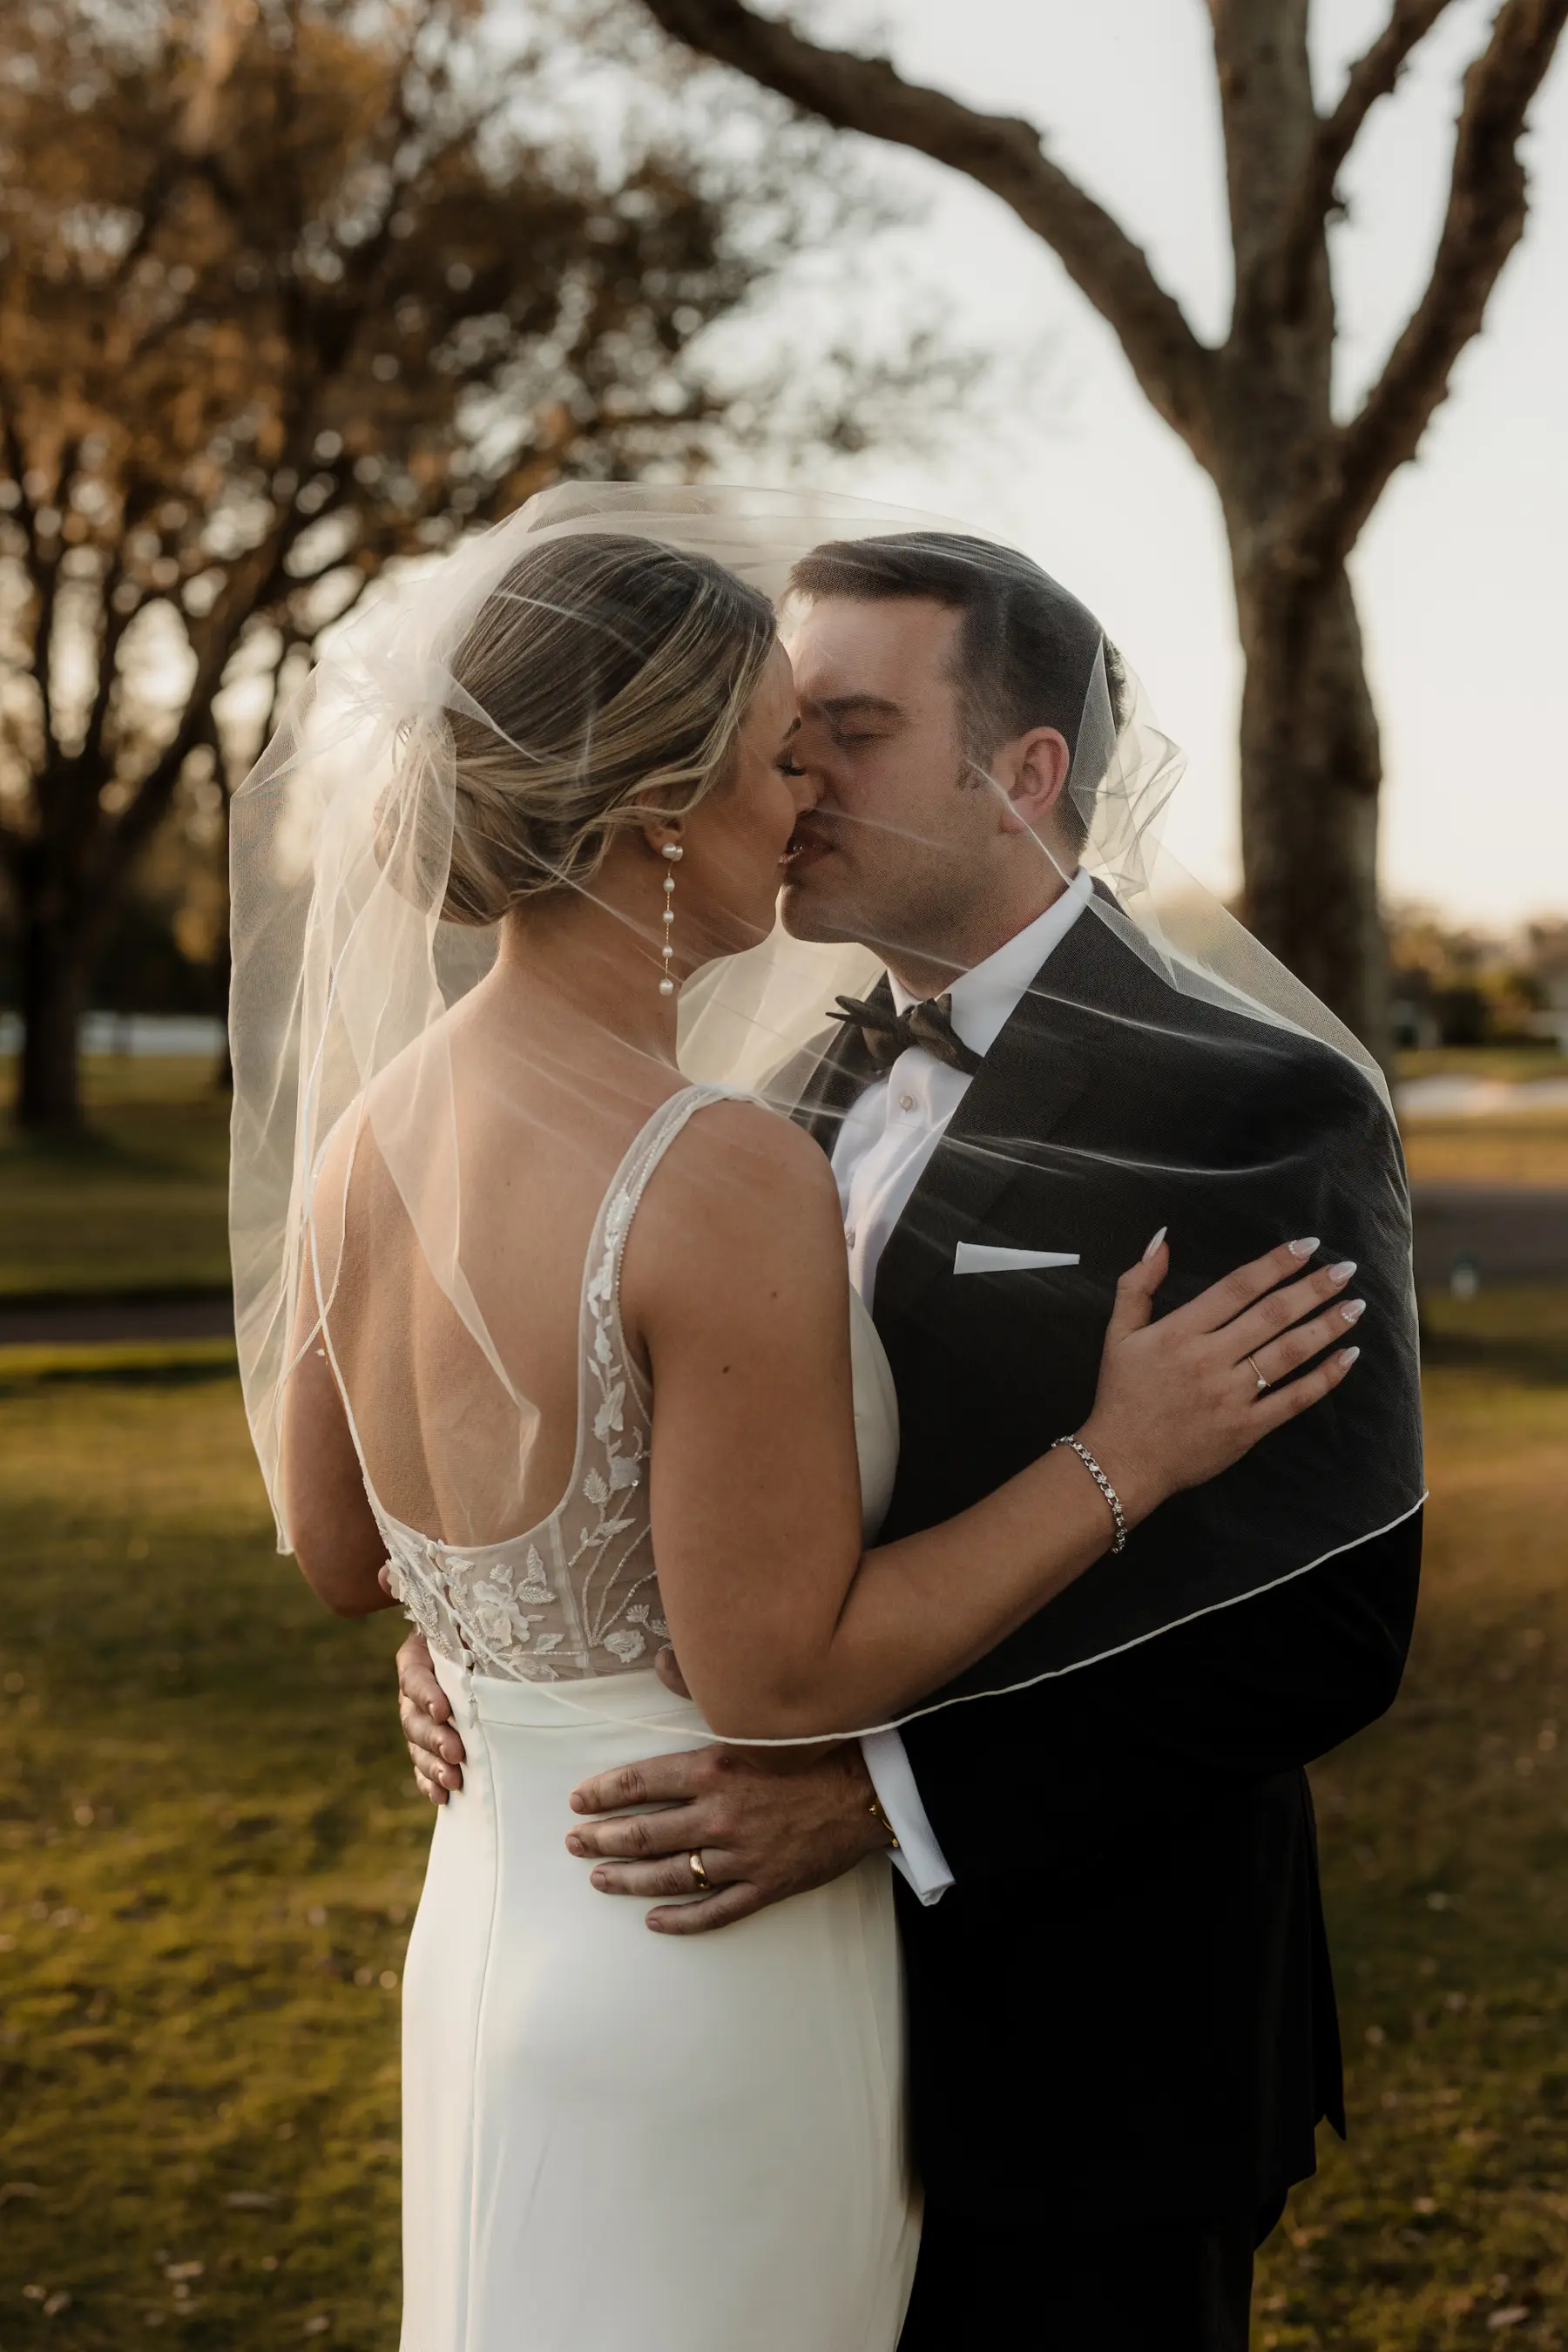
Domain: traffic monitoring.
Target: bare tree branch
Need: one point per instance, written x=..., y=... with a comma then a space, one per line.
x=289, y=641
x=1485, y=221
x=1373, y=76
x=41, y=570
x=252, y=584
x=866, y=94
x=115, y=619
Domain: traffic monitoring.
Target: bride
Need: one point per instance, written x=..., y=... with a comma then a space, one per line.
x=569, y=1343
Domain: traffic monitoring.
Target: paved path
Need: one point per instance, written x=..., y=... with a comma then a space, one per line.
x=88, y=1322
x=1509, y=1233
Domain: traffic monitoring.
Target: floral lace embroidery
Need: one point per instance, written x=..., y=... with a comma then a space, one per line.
x=578, y=1595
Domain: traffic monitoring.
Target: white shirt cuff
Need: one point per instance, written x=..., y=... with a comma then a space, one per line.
x=918, y=1854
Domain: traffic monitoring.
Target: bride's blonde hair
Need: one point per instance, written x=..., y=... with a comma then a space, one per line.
x=603, y=679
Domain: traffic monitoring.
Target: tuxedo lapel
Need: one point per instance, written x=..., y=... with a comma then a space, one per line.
x=1031, y=1082
x=1024, y=1096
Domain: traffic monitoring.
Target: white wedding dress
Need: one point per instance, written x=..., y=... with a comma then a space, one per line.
x=616, y=2141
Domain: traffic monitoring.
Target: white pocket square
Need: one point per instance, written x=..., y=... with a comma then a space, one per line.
x=982, y=1258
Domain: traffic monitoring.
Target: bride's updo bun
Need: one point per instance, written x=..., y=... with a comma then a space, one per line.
x=612, y=673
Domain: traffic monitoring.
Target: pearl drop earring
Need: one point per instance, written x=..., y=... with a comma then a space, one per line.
x=673, y=851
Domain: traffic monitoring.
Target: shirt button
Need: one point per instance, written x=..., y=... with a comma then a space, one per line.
x=906, y=1102
x=849, y=1235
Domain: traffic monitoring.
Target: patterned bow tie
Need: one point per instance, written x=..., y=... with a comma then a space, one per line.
x=928, y=1025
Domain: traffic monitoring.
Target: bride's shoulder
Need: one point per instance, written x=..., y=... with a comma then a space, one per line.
x=738, y=1139
x=739, y=1180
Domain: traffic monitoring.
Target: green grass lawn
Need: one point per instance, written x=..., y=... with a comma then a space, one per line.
x=210, y=1849
x=1517, y=1146
x=140, y=1203
x=1508, y=1062
x=1510, y=1147
x=1445, y=2220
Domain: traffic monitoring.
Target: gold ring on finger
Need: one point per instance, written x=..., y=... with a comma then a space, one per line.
x=700, y=1874
x=1256, y=1375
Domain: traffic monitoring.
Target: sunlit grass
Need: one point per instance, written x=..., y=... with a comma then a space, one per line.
x=209, y=1850
x=22, y=1365
x=1515, y=1147
x=138, y=1203
x=1517, y=1331
x=1517, y=1063
x=1444, y=2223
x=111, y=1080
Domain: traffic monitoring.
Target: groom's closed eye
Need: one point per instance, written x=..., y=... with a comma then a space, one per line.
x=857, y=718
x=877, y=732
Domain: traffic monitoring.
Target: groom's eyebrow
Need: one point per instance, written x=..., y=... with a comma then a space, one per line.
x=863, y=705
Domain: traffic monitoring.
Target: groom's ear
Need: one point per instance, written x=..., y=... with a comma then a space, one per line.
x=1032, y=771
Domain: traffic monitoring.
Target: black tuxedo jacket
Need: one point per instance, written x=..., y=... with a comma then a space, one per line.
x=1123, y=2007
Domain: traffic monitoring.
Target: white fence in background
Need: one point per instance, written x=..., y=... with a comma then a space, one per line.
x=133, y=1032
x=1455, y=1097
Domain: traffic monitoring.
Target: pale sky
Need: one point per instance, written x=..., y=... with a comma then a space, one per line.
x=1461, y=575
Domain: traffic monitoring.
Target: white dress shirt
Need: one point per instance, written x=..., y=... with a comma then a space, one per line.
x=881, y=1152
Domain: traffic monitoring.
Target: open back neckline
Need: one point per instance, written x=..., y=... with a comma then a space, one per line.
x=594, y=1250
x=576, y=1594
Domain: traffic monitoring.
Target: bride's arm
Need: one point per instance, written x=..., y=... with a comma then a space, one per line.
x=340, y=1548
x=735, y=1280
x=330, y=1525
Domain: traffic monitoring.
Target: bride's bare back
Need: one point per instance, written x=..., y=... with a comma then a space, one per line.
x=463, y=1379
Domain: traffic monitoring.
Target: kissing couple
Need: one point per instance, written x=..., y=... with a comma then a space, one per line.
x=826, y=1277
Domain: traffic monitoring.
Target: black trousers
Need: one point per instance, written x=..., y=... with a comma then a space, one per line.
x=1182, y=2286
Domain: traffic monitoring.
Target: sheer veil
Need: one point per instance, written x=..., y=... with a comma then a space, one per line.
x=348, y=1048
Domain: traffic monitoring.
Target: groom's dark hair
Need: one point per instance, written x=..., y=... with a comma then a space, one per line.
x=1027, y=648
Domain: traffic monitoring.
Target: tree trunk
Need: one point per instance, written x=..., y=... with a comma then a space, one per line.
x=1310, y=768
x=54, y=974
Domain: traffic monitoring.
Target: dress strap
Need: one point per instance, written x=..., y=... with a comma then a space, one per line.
x=630, y=1181
x=604, y=1353
x=649, y=1147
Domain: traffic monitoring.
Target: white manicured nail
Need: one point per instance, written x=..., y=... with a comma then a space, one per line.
x=1156, y=1243
x=1303, y=1248
x=1353, y=1309
x=1348, y=1355
x=1344, y=1271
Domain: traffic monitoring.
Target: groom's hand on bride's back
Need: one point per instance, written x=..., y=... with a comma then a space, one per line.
x=764, y=1822
x=435, y=1748
x=434, y=1744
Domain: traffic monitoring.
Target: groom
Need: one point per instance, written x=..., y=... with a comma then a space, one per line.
x=1121, y=2016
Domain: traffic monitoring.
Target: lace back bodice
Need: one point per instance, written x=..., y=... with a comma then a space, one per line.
x=575, y=1596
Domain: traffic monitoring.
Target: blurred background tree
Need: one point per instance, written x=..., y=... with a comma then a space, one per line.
x=1459, y=986
x=1296, y=481
x=290, y=289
